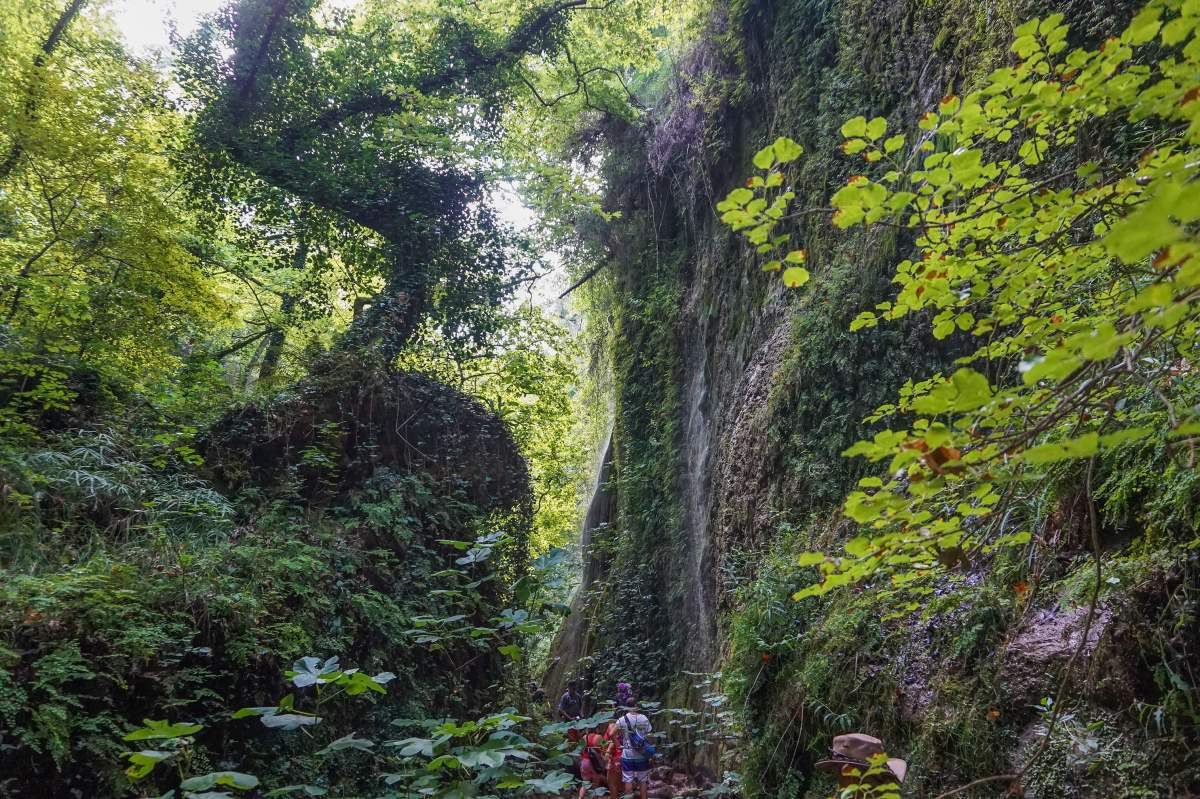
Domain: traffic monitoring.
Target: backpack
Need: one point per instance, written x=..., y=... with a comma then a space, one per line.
x=637, y=741
x=593, y=755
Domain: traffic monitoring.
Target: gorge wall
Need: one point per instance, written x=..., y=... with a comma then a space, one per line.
x=734, y=399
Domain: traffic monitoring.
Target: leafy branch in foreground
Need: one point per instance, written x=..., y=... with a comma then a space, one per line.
x=1076, y=276
x=175, y=742
x=449, y=758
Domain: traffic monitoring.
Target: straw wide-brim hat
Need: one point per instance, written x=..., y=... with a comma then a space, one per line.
x=853, y=750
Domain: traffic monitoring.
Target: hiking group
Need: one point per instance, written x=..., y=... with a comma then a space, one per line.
x=616, y=754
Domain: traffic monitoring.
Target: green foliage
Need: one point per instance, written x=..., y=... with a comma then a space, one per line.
x=757, y=217
x=450, y=758
x=646, y=539
x=1078, y=280
x=98, y=282
x=161, y=730
x=188, y=615
x=526, y=375
x=180, y=745
x=463, y=758
x=318, y=197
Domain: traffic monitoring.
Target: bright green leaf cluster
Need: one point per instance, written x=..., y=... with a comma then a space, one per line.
x=756, y=210
x=1080, y=285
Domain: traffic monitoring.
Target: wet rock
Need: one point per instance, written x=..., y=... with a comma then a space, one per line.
x=661, y=773
x=1034, y=658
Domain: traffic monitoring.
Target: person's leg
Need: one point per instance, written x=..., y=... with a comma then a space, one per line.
x=644, y=784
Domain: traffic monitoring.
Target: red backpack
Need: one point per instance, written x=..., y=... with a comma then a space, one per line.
x=592, y=751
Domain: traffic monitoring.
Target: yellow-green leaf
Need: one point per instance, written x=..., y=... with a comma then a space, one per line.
x=854, y=127
x=795, y=276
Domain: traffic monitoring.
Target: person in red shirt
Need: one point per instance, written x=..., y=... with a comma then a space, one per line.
x=593, y=767
x=613, y=757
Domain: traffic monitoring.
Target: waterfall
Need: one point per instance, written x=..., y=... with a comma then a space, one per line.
x=572, y=641
x=697, y=432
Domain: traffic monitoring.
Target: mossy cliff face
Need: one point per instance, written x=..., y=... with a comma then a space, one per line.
x=734, y=399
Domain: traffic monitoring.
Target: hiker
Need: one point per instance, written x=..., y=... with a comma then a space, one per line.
x=536, y=694
x=849, y=760
x=624, y=694
x=570, y=708
x=636, y=749
x=613, y=754
x=593, y=768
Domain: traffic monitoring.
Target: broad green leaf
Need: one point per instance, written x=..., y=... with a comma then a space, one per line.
x=1081, y=447
x=765, y=158
x=966, y=390
x=858, y=547
x=347, y=742
x=162, y=729
x=740, y=196
x=311, y=671
x=1144, y=26
x=411, y=747
x=1148, y=229
x=795, y=276
x=289, y=721
x=854, y=127
x=143, y=762
x=854, y=146
x=786, y=150
x=552, y=783
x=228, y=779
x=246, y=712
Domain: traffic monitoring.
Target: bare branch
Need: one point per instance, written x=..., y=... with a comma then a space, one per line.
x=591, y=273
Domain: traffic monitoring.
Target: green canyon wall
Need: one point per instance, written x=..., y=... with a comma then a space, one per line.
x=733, y=399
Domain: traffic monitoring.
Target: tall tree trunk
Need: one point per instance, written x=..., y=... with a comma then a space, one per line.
x=48, y=47
x=275, y=346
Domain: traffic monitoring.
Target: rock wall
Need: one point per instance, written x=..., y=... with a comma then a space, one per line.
x=710, y=357
x=734, y=399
